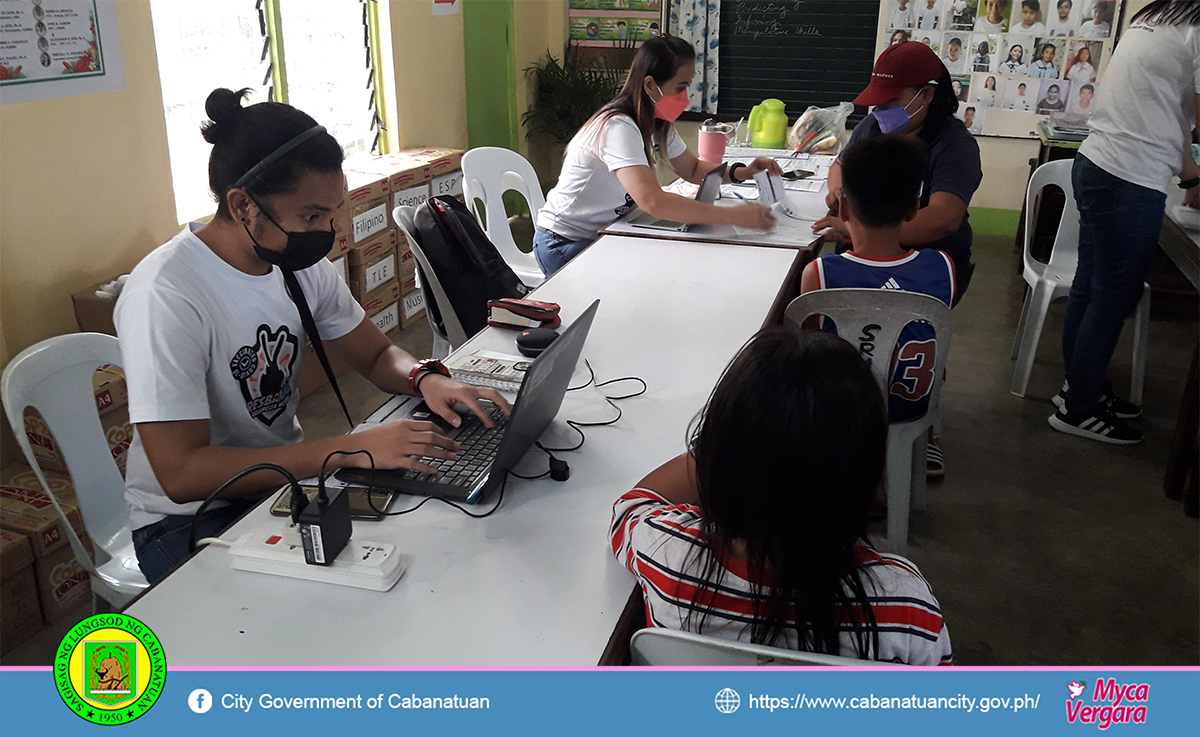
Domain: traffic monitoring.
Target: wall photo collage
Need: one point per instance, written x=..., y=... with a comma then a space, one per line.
x=1030, y=57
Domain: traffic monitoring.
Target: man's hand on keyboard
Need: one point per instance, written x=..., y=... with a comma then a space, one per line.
x=441, y=394
x=391, y=446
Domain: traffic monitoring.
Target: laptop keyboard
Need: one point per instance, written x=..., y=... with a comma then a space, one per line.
x=478, y=445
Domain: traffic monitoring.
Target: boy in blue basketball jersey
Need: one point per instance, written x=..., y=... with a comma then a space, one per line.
x=881, y=190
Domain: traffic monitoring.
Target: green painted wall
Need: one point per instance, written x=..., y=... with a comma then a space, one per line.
x=994, y=221
x=491, y=74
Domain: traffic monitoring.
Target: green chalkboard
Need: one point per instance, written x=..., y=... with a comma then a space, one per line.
x=804, y=52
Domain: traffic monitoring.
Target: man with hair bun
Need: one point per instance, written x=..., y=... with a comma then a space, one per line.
x=213, y=337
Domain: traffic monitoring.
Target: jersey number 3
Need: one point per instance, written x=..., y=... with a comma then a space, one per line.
x=916, y=361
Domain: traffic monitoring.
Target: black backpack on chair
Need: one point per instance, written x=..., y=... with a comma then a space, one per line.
x=467, y=264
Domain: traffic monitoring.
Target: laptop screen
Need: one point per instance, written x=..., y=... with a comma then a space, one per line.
x=542, y=391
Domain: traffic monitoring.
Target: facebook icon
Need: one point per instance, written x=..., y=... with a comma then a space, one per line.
x=200, y=701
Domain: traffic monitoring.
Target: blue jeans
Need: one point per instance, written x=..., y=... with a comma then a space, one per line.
x=1119, y=223
x=163, y=545
x=553, y=251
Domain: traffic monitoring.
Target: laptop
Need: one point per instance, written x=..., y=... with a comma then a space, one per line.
x=710, y=187
x=486, y=454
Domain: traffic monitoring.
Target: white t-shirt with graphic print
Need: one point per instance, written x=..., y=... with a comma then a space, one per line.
x=588, y=195
x=203, y=341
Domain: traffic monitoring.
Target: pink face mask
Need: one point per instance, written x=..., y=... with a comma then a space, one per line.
x=670, y=108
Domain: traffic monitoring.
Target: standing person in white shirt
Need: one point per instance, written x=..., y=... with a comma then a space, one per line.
x=955, y=60
x=928, y=16
x=1063, y=24
x=1100, y=23
x=902, y=16
x=1015, y=63
x=213, y=344
x=609, y=164
x=1080, y=68
x=1030, y=22
x=994, y=21
x=1141, y=134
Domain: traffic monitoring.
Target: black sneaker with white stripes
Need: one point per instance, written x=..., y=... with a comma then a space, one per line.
x=1099, y=424
x=1121, y=408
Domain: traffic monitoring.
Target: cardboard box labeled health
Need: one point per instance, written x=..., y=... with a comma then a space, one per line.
x=382, y=297
x=387, y=318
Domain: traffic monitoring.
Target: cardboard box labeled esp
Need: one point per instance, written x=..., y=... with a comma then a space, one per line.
x=20, y=611
x=448, y=185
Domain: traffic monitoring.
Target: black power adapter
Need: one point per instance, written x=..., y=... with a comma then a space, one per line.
x=324, y=526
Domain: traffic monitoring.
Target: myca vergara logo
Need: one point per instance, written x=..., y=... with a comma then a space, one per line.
x=1112, y=703
x=110, y=669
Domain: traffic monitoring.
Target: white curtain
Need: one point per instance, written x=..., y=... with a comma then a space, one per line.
x=699, y=21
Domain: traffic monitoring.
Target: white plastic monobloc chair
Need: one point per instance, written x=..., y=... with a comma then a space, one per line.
x=664, y=647
x=489, y=172
x=1050, y=281
x=453, y=334
x=55, y=377
x=887, y=312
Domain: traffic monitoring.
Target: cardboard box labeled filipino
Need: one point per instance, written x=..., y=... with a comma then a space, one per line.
x=112, y=399
x=365, y=212
x=20, y=612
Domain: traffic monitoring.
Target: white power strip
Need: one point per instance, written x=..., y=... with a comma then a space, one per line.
x=361, y=564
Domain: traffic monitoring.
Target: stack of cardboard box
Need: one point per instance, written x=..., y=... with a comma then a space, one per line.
x=33, y=533
x=375, y=186
x=112, y=403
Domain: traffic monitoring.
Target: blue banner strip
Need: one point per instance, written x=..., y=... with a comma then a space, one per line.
x=637, y=701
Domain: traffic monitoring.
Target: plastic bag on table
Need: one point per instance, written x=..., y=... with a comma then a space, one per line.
x=821, y=130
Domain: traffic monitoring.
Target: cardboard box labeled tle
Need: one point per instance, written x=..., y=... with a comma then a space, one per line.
x=372, y=266
x=387, y=294
x=20, y=611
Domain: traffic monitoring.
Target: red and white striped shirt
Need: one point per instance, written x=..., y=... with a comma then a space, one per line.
x=661, y=544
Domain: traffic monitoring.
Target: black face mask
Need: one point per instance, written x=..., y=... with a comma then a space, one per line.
x=303, y=249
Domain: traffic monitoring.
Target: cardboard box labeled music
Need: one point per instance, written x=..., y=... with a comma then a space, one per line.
x=20, y=611
x=412, y=308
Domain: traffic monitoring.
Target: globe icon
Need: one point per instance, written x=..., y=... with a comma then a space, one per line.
x=728, y=701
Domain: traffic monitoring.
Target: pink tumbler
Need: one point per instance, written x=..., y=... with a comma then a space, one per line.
x=713, y=136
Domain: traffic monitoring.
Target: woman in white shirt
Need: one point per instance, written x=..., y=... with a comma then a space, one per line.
x=1079, y=68
x=609, y=164
x=987, y=95
x=1141, y=134
x=1015, y=63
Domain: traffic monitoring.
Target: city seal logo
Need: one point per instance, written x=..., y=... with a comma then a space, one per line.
x=110, y=669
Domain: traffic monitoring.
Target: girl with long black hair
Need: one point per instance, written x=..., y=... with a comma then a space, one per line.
x=759, y=533
x=213, y=339
x=609, y=164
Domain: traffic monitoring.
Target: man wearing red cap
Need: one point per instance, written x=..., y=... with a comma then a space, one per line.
x=911, y=92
